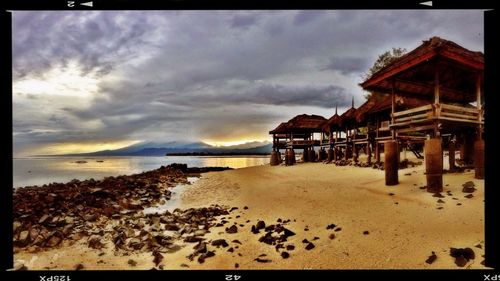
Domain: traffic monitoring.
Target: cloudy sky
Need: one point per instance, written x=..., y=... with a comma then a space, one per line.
x=87, y=81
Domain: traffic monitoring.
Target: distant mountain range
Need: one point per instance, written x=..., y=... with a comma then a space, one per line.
x=161, y=149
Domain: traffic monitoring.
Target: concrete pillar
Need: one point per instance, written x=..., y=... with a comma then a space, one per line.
x=451, y=155
x=479, y=159
x=391, y=162
x=433, y=153
x=274, y=158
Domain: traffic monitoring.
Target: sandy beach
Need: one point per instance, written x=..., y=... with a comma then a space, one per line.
x=372, y=226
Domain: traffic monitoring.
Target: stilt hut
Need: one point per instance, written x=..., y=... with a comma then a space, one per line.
x=332, y=128
x=450, y=78
x=298, y=133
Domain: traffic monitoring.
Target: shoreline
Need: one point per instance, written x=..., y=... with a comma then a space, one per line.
x=373, y=229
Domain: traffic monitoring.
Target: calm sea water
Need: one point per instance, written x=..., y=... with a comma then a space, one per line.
x=39, y=171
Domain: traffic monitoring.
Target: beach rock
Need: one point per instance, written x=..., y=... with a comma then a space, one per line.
x=54, y=239
x=236, y=241
x=440, y=201
x=438, y=195
x=285, y=255
x=184, y=265
x=468, y=187
x=331, y=226
x=192, y=239
x=366, y=232
x=305, y=241
x=230, y=250
x=43, y=219
x=469, y=196
x=288, y=232
x=431, y=258
x=200, y=248
x=262, y=260
x=267, y=238
x=220, y=242
x=23, y=239
x=233, y=209
x=95, y=242
x=236, y=265
x=391, y=194
x=232, y=229
x=290, y=247
x=331, y=236
x=479, y=246
x=245, y=208
x=79, y=266
x=338, y=229
x=132, y=262
x=202, y=257
x=260, y=225
x=157, y=257
x=310, y=246
x=462, y=255
x=315, y=238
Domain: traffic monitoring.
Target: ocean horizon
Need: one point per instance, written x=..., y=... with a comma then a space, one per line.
x=29, y=171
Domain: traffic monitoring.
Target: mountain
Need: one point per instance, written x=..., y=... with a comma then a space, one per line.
x=161, y=149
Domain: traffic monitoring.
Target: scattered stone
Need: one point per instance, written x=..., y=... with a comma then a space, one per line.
x=315, y=238
x=132, y=262
x=254, y=230
x=202, y=257
x=440, y=201
x=338, y=229
x=310, y=246
x=79, y=266
x=220, y=242
x=439, y=208
x=260, y=225
x=236, y=241
x=305, y=241
x=331, y=226
x=408, y=174
x=454, y=198
x=469, y=196
x=262, y=260
x=459, y=204
x=288, y=232
x=438, y=195
x=468, y=187
x=462, y=255
x=391, y=194
x=285, y=255
x=233, y=208
x=366, y=232
x=232, y=229
x=95, y=242
x=184, y=265
x=290, y=247
x=230, y=250
x=423, y=187
x=236, y=265
x=262, y=255
x=331, y=236
x=193, y=239
x=245, y=208
x=479, y=246
x=157, y=257
x=306, y=229
x=431, y=258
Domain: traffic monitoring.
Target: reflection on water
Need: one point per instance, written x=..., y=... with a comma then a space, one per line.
x=39, y=171
x=174, y=202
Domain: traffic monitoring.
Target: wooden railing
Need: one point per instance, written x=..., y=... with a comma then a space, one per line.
x=438, y=111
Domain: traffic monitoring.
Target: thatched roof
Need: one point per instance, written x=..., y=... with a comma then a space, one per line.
x=306, y=122
x=281, y=129
x=334, y=121
x=300, y=124
x=348, y=117
x=413, y=73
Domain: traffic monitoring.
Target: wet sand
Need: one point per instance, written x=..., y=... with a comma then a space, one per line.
x=376, y=226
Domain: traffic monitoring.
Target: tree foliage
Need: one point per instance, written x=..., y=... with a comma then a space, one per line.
x=383, y=60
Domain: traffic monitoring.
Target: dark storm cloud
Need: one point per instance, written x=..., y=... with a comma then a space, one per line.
x=180, y=74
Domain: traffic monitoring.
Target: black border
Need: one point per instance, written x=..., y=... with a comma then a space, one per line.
x=492, y=245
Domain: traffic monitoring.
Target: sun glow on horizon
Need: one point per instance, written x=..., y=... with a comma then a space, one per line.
x=74, y=148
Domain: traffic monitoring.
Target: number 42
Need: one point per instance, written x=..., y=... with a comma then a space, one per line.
x=233, y=277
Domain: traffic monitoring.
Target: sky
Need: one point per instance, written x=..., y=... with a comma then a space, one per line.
x=88, y=81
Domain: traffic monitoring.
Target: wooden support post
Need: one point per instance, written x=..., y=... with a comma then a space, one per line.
x=479, y=159
x=437, y=106
x=393, y=105
x=369, y=153
x=377, y=152
x=451, y=155
x=479, y=105
x=433, y=153
x=391, y=162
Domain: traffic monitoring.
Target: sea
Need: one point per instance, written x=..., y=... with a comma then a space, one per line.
x=31, y=171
